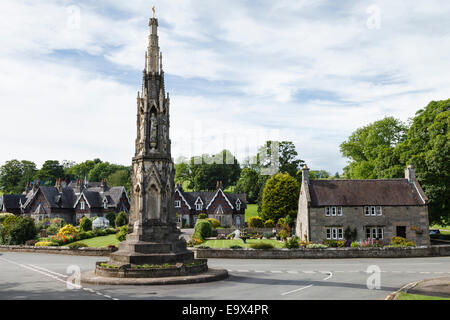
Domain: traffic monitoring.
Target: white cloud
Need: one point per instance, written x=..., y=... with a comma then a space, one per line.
x=271, y=53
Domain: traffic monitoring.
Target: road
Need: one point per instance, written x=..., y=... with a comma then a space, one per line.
x=42, y=276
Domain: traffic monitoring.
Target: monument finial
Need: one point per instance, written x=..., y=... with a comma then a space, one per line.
x=153, y=9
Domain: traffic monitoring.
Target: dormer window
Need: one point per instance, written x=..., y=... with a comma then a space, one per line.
x=177, y=203
x=83, y=205
x=199, y=204
x=238, y=204
x=105, y=204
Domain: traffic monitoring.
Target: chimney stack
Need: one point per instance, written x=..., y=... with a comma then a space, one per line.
x=219, y=185
x=104, y=184
x=58, y=184
x=410, y=173
x=305, y=174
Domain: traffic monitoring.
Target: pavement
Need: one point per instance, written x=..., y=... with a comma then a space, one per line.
x=26, y=276
x=439, y=287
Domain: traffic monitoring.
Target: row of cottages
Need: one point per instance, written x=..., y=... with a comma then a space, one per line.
x=376, y=209
x=228, y=208
x=68, y=200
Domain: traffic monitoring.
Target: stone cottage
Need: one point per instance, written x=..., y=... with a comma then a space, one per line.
x=228, y=208
x=376, y=209
x=69, y=200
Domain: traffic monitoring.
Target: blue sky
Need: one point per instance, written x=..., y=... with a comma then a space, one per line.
x=238, y=72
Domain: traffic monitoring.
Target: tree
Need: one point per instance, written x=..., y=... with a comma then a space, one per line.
x=318, y=174
x=427, y=147
x=50, y=171
x=79, y=171
x=280, y=197
x=121, y=219
x=121, y=177
x=287, y=158
x=103, y=170
x=249, y=183
x=15, y=174
x=371, y=150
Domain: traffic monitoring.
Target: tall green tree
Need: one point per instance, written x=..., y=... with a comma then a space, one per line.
x=427, y=147
x=15, y=174
x=286, y=159
x=371, y=150
x=50, y=171
x=119, y=178
x=280, y=197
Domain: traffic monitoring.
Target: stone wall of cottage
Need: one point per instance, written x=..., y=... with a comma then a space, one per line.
x=414, y=218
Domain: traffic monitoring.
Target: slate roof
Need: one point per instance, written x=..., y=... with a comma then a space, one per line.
x=12, y=201
x=207, y=196
x=383, y=192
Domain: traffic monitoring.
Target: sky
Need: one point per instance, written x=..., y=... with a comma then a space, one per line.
x=238, y=73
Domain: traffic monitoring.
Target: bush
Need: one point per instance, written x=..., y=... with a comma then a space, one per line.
x=68, y=230
x=235, y=247
x=110, y=231
x=283, y=234
x=111, y=216
x=3, y=216
x=399, y=241
x=255, y=222
x=280, y=197
x=17, y=230
x=85, y=224
x=89, y=234
x=304, y=243
x=292, y=243
x=202, y=216
x=269, y=224
x=202, y=229
x=194, y=242
x=31, y=242
x=261, y=246
x=354, y=245
x=214, y=222
x=53, y=229
x=334, y=243
x=99, y=232
x=77, y=245
x=121, y=219
x=122, y=234
x=43, y=244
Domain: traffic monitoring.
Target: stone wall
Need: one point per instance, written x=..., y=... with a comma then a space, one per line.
x=330, y=253
x=59, y=250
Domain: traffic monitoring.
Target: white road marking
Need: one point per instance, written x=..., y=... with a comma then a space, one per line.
x=259, y=271
x=49, y=271
x=309, y=272
x=277, y=271
x=50, y=275
x=329, y=276
x=292, y=272
x=303, y=288
x=243, y=271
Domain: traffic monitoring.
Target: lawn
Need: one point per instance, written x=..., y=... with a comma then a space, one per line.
x=228, y=243
x=252, y=210
x=100, y=242
x=408, y=296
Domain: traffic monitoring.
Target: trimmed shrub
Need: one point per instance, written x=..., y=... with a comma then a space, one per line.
x=202, y=229
x=235, y=247
x=17, y=230
x=214, y=222
x=398, y=241
x=85, y=224
x=77, y=245
x=269, y=224
x=202, y=216
x=261, y=246
x=283, y=234
x=255, y=222
x=3, y=216
x=44, y=244
x=354, y=245
x=292, y=243
x=316, y=246
x=122, y=234
x=111, y=216
x=110, y=231
x=194, y=242
x=67, y=230
x=99, y=232
x=121, y=219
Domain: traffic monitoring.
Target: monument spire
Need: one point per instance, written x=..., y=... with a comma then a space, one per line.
x=153, y=46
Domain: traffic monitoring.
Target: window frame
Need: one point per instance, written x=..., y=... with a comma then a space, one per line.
x=327, y=211
x=339, y=211
x=82, y=205
x=379, y=211
x=367, y=211
x=328, y=233
x=177, y=203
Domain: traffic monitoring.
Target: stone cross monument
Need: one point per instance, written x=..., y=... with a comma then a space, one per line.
x=153, y=235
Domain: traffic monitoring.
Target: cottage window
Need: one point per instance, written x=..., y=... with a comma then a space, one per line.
x=328, y=234
x=334, y=232
x=199, y=206
x=340, y=234
x=374, y=233
x=83, y=205
x=105, y=205
x=372, y=211
x=379, y=212
x=380, y=233
x=368, y=233
x=333, y=211
x=327, y=211
x=367, y=211
x=177, y=203
x=339, y=211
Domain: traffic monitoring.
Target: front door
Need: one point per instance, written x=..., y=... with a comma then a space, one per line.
x=401, y=231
